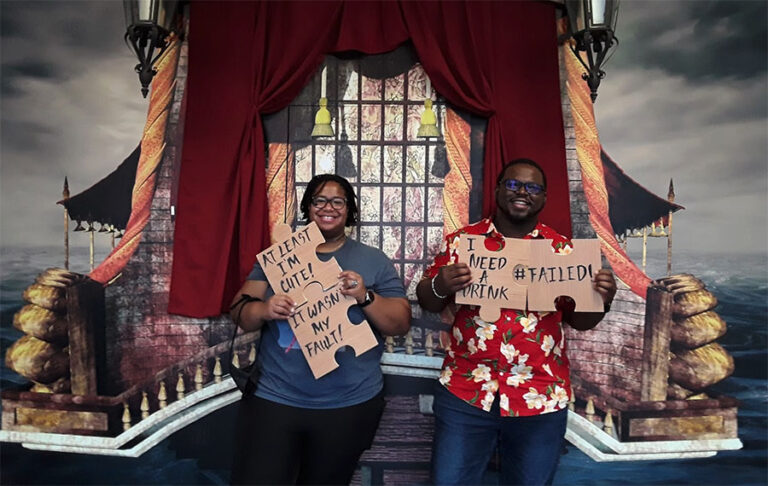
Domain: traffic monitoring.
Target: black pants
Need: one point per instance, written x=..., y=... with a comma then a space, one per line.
x=279, y=444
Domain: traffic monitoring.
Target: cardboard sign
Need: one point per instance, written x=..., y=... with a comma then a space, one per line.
x=291, y=263
x=528, y=271
x=321, y=326
x=553, y=274
x=493, y=286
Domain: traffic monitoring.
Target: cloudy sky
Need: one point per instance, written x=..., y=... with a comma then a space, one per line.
x=684, y=98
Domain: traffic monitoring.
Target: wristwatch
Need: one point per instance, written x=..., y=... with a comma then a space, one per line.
x=369, y=296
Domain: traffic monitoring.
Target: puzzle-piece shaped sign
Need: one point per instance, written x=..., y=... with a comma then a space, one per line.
x=321, y=326
x=528, y=271
x=553, y=274
x=494, y=286
x=291, y=263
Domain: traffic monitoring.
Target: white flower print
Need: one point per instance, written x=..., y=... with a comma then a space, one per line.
x=485, y=332
x=471, y=346
x=547, y=369
x=534, y=399
x=547, y=344
x=445, y=376
x=522, y=358
x=509, y=352
x=487, y=401
x=481, y=345
x=519, y=375
x=504, y=402
x=565, y=250
x=557, y=351
x=560, y=396
x=550, y=406
x=528, y=323
x=457, y=334
x=491, y=386
x=481, y=373
x=534, y=233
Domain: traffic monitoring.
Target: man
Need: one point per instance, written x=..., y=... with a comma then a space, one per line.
x=507, y=382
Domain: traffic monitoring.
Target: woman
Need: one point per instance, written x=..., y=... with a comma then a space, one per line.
x=295, y=429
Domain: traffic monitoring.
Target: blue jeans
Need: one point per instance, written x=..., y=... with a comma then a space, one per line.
x=466, y=437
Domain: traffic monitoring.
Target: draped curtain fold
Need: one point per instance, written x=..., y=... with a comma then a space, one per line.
x=494, y=59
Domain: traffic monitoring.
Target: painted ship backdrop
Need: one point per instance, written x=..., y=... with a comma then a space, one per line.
x=100, y=367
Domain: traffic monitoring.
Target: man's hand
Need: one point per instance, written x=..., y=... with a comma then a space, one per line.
x=605, y=285
x=452, y=278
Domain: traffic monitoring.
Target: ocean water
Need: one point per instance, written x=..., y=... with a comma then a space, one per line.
x=740, y=283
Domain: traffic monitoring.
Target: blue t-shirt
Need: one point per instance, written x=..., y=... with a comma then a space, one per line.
x=285, y=374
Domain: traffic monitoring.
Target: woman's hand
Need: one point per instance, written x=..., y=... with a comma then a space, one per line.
x=279, y=307
x=352, y=284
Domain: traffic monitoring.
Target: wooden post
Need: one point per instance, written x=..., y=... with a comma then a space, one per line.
x=85, y=317
x=65, y=195
x=645, y=244
x=670, y=198
x=90, y=244
x=658, y=320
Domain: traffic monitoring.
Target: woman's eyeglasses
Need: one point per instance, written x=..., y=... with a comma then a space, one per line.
x=513, y=185
x=337, y=203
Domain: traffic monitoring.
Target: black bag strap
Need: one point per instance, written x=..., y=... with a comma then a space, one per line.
x=242, y=301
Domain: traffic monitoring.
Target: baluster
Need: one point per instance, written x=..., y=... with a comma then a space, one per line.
x=126, y=416
x=390, y=342
x=180, y=386
x=429, y=344
x=217, y=370
x=590, y=410
x=144, y=407
x=252, y=353
x=235, y=359
x=608, y=424
x=409, y=342
x=199, y=377
x=572, y=401
x=162, y=396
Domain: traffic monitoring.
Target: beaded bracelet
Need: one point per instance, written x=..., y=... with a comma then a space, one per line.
x=434, y=291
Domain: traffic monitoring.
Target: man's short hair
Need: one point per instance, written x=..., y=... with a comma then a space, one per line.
x=522, y=162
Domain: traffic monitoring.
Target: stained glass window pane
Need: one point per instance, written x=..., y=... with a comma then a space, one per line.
x=371, y=89
x=435, y=205
x=394, y=88
x=371, y=122
x=392, y=245
x=393, y=122
x=370, y=169
x=393, y=204
x=414, y=243
x=414, y=203
x=304, y=164
x=414, y=169
x=369, y=204
x=393, y=164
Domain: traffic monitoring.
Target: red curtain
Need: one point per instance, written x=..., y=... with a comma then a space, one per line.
x=494, y=59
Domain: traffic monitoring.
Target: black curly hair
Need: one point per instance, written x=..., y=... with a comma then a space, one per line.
x=316, y=185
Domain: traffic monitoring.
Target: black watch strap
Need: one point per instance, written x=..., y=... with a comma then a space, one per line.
x=369, y=296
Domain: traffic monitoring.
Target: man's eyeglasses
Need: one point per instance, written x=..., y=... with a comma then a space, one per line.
x=337, y=203
x=513, y=185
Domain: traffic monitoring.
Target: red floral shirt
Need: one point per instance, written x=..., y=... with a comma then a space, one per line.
x=521, y=357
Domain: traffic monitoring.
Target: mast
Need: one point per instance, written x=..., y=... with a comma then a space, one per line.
x=670, y=198
x=65, y=195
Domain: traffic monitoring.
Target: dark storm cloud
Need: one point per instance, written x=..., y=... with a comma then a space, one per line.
x=701, y=40
x=25, y=136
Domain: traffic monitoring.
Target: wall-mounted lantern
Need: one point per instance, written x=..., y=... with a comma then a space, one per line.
x=148, y=25
x=592, y=24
